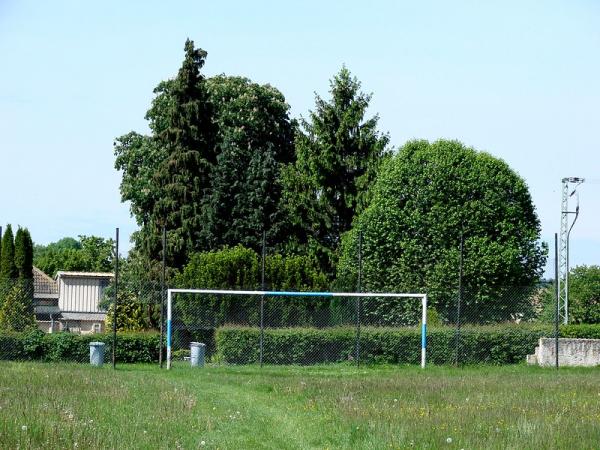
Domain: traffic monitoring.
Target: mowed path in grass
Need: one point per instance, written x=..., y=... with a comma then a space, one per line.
x=136, y=406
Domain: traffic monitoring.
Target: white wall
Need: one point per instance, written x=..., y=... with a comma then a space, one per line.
x=79, y=294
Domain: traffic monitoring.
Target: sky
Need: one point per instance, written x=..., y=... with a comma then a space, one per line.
x=518, y=79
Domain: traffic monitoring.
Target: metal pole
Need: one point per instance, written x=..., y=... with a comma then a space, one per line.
x=424, y=331
x=459, y=299
x=358, y=299
x=556, y=312
x=162, y=297
x=114, y=342
x=568, y=266
x=169, y=315
x=262, y=298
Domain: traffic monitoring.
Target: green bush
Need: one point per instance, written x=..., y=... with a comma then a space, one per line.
x=36, y=345
x=499, y=344
x=587, y=331
x=239, y=268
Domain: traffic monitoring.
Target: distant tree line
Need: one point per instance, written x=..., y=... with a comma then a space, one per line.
x=86, y=254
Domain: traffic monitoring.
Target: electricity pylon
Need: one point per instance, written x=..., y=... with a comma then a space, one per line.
x=563, y=248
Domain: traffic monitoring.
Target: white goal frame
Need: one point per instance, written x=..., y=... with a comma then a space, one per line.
x=423, y=297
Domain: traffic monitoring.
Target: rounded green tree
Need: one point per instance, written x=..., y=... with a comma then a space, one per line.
x=424, y=199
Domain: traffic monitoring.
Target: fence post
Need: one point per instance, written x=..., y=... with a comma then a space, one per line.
x=557, y=296
x=459, y=298
x=262, y=298
x=114, y=340
x=358, y=299
x=162, y=297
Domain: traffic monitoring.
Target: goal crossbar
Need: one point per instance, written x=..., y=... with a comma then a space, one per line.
x=423, y=298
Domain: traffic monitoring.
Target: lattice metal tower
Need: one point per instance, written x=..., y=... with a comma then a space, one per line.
x=563, y=247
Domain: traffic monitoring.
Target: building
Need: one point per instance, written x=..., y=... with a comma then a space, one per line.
x=71, y=302
x=45, y=301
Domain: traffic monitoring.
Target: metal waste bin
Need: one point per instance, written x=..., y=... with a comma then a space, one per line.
x=97, y=353
x=197, y=351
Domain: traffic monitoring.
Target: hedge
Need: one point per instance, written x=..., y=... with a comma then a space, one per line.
x=36, y=345
x=498, y=344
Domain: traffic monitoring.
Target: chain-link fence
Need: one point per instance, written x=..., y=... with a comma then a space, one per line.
x=464, y=326
x=56, y=319
x=46, y=319
x=477, y=327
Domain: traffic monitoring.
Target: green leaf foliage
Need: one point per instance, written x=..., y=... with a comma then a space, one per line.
x=38, y=346
x=255, y=139
x=425, y=197
x=210, y=171
x=16, y=312
x=88, y=254
x=505, y=344
x=134, y=311
x=240, y=268
x=338, y=153
x=24, y=254
x=8, y=269
x=188, y=138
x=584, y=296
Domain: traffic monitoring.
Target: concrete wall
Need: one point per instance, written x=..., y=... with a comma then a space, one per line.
x=571, y=352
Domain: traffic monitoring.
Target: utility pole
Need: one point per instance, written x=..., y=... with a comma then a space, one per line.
x=563, y=250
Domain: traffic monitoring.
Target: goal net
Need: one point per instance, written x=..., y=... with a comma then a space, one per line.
x=289, y=327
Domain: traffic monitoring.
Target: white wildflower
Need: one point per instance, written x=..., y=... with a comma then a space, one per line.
x=449, y=440
x=24, y=428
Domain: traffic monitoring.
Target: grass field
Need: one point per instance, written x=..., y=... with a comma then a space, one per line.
x=76, y=406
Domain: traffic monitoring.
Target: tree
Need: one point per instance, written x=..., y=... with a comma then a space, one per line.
x=427, y=196
x=166, y=176
x=139, y=296
x=184, y=175
x=24, y=254
x=338, y=153
x=133, y=314
x=8, y=270
x=255, y=139
x=251, y=136
x=88, y=254
x=16, y=285
x=239, y=268
x=16, y=312
x=584, y=296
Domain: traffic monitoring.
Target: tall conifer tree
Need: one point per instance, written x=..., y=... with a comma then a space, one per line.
x=189, y=139
x=24, y=254
x=8, y=269
x=338, y=153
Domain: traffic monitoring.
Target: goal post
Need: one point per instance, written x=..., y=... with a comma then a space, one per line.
x=171, y=293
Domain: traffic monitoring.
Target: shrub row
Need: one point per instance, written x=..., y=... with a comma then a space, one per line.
x=36, y=345
x=499, y=344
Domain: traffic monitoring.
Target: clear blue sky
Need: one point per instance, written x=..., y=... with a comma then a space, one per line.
x=519, y=79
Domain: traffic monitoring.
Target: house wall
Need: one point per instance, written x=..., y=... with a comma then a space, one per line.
x=83, y=326
x=80, y=294
x=45, y=326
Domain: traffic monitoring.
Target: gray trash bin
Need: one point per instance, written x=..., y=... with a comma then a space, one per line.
x=197, y=351
x=97, y=353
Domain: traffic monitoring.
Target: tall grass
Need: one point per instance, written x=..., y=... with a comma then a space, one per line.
x=75, y=406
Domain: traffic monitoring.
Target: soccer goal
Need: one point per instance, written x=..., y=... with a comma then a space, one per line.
x=173, y=295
